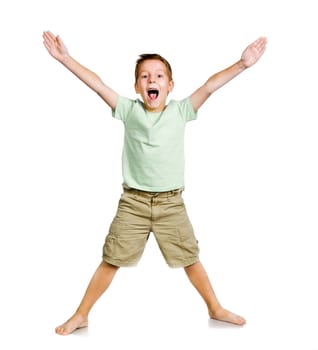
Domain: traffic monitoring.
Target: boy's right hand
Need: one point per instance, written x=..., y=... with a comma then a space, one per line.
x=58, y=50
x=55, y=46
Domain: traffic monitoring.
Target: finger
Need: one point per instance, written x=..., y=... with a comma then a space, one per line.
x=46, y=37
x=59, y=40
x=45, y=45
x=260, y=42
x=49, y=38
x=50, y=34
x=261, y=46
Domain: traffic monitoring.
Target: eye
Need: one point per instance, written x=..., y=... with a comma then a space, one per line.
x=160, y=75
x=144, y=76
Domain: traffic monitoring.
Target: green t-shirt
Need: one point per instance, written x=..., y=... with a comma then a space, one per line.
x=153, y=152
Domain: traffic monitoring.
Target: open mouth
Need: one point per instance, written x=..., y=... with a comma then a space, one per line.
x=153, y=93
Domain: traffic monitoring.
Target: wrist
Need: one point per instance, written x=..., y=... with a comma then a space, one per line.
x=241, y=64
x=66, y=59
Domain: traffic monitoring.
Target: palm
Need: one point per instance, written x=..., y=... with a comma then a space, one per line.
x=253, y=52
x=54, y=45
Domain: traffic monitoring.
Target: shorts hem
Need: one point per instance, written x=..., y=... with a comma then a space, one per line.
x=118, y=263
x=185, y=263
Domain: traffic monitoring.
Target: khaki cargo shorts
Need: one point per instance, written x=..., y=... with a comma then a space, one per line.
x=139, y=213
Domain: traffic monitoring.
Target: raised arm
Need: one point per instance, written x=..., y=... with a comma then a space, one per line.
x=58, y=50
x=249, y=57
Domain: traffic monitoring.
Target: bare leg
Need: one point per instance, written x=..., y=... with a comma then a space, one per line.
x=201, y=282
x=100, y=281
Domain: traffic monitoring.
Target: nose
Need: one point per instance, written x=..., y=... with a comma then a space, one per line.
x=152, y=79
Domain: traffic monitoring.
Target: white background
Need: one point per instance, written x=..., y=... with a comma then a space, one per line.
x=251, y=174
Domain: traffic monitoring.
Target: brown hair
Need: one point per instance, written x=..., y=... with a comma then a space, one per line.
x=152, y=56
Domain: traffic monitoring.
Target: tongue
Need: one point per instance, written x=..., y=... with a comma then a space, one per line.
x=153, y=96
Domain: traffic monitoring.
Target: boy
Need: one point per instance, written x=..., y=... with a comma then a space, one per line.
x=153, y=173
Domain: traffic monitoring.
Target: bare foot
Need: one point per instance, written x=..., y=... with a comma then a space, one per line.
x=221, y=314
x=75, y=322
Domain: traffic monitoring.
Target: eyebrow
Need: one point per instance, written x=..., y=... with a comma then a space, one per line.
x=157, y=71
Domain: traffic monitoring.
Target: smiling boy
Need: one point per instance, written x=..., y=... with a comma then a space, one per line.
x=153, y=174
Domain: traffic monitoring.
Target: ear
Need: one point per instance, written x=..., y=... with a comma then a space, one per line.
x=137, y=88
x=171, y=85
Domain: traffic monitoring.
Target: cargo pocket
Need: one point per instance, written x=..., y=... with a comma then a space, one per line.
x=188, y=241
x=122, y=247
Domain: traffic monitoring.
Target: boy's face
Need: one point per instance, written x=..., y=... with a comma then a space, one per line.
x=153, y=84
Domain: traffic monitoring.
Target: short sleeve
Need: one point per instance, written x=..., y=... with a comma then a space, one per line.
x=186, y=110
x=123, y=107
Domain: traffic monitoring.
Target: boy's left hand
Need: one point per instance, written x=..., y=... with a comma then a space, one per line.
x=253, y=52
